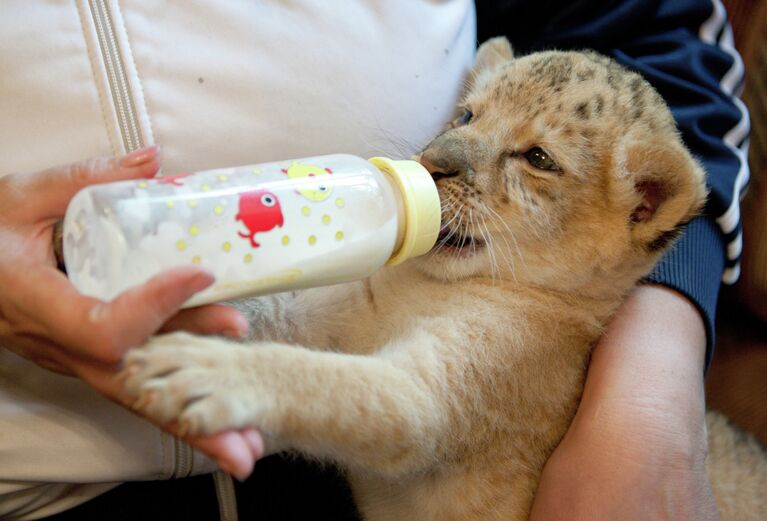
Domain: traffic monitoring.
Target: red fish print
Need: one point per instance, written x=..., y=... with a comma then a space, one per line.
x=260, y=212
x=172, y=179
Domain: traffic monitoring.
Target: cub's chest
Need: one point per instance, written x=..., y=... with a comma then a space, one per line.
x=401, y=298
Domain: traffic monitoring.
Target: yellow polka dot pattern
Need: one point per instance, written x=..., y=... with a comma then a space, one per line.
x=306, y=211
x=143, y=184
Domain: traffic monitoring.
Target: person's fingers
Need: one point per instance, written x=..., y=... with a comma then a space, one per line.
x=255, y=441
x=101, y=331
x=55, y=367
x=46, y=194
x=214, y=319
x=231, y=450
x=236, y=452
x=36, y=349
x=142, y=310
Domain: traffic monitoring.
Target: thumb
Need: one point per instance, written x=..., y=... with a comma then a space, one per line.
x=97, y=331
x=51, y=190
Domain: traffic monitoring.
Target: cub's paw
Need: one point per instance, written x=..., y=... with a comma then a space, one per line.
x=201, y=383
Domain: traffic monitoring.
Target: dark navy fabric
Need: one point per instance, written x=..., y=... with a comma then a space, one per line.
x=659, y=39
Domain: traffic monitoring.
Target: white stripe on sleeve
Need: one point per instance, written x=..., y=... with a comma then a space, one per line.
x=729, y=220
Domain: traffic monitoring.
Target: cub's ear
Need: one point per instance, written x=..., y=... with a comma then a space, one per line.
x=494, y=52
x=668, y=190
x=490, y=55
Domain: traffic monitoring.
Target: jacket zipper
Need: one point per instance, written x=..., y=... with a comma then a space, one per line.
x=227, y=501
x=118, y=81
x=184, y=460
x=130, y=131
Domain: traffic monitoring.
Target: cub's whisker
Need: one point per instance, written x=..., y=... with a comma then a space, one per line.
x=490, y=242
x=511, y=233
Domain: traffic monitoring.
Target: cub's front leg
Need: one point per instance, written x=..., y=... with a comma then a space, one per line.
x=383, y=413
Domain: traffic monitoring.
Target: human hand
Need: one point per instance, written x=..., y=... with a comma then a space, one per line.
x=637, y=446
x=43, y=317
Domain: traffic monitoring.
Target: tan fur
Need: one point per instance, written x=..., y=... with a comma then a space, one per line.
x=737, y=467
x=443, y=385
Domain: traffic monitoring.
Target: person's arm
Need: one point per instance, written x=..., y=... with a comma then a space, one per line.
x=44, y=319
x=637, y=446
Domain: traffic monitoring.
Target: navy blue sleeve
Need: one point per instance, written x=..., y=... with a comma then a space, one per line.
x=684, y=48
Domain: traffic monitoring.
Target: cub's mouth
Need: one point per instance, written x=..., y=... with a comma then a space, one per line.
x=456, y=242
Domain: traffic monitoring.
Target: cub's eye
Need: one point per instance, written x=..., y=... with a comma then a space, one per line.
x=268, y=200
x=538, y=158
x=463, y=119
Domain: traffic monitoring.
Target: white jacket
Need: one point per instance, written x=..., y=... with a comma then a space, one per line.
x=217, y=84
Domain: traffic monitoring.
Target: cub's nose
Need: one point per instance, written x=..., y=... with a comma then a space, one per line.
x=438, y=168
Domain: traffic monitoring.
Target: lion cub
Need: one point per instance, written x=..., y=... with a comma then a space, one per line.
x=442, y=385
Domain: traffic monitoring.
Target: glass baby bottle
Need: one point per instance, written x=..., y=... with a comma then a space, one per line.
x=259, y=229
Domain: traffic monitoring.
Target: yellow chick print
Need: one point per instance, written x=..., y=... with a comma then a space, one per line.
x=315, y=192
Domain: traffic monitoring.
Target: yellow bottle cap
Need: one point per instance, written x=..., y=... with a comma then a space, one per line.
x=421, y=203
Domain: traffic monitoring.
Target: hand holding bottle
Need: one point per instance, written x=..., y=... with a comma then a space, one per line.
x=43, y=317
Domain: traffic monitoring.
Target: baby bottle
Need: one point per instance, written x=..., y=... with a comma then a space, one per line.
x=259, y=229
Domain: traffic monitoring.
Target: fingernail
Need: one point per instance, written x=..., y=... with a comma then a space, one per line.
x=242, y=476
x=140, y=156
x=255, y=442
x=98, y=312
x=231, y=469
x=201, y=281
x=241, y=329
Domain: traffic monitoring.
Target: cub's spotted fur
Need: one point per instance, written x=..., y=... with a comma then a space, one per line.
x=442, y=385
